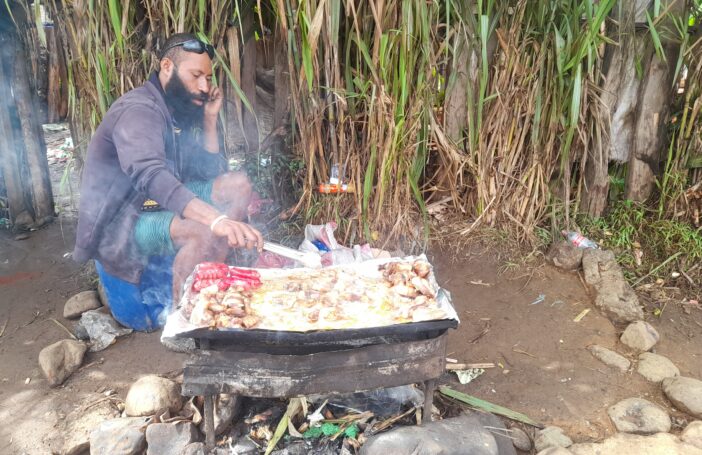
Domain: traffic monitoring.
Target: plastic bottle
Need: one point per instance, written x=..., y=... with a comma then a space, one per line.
x=579, y=240
x=330, y=188
x=334, y=175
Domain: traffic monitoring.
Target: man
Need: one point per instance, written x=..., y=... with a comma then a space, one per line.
x=155, y=180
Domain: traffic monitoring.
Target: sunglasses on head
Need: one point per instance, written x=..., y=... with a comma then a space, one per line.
x=193, y=45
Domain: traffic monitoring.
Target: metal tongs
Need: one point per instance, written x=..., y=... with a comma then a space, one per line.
x=307, y=258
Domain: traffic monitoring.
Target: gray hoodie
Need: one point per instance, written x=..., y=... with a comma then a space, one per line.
x=135, y=155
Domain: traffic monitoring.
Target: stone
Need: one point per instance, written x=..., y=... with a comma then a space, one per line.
x=520, y=439
x=59, y=360
x=655, y=367
x=685, y=394
x=597, y=262
x=151, y=395
x=634, y=444
x=226, y=406
x=613, y=295
x=692, y=434
x=499, y=432
x=119, y=436
x=243, y=446
x=636, y=415
x=640, y=335
x=462, y=435
x=196, y=448
x=618, y=302
x=609, y=357
x=565, y=255
x=551, y=437
x=555, y=451
x=80, y=303
x=162, y=438
x=71, y=435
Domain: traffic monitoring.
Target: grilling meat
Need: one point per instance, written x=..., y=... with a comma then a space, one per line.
x=304, y=300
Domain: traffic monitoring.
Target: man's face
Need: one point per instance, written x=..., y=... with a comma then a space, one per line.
x=188, y=86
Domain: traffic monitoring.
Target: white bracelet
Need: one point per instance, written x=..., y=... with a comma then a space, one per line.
x=217, y=220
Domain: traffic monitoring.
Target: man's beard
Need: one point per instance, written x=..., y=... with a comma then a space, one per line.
x=180, y=100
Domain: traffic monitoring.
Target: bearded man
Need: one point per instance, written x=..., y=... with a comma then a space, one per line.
x=155, y=180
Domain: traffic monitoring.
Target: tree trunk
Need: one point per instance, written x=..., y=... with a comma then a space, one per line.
x=248, y=84
x=619, y=98
x=63, y=76
x=623, y=120
x=463, y=77
x=281, y=113
x=233, y=130
x=53, y=97
x=654, y=106
x=33, y=138
x=652, y=114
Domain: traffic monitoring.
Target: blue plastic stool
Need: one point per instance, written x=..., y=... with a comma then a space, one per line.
x=146, y=306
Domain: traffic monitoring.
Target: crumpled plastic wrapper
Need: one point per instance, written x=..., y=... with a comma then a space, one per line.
x=467, y=376
x=101, y=328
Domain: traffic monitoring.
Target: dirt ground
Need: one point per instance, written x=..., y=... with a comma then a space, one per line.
x=36, y=278
x=546, y=372
x=543, y=368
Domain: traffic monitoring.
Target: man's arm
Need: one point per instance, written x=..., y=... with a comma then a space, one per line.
x=209, y=127
x=138, y=138
x=238, y=234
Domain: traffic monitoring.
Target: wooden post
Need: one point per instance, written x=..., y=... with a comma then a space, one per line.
x=429, y=387
x=209, y=422
x=9, y=162
x=39, y=182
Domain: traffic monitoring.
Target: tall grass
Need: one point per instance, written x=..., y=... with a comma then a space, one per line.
x=381, y=70
x=537, y=111
x=368, y=86
x=364, y=78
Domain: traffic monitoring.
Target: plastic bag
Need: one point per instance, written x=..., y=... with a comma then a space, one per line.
x=102, y=329
x=339, y=256
x=319, y=238
x=323, y=233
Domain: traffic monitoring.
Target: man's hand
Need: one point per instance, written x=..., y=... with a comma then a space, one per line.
x=238, y=234
x=212, y=107
x=213, y=103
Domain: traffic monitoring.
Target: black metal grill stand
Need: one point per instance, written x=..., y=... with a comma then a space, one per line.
x=210, y=372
